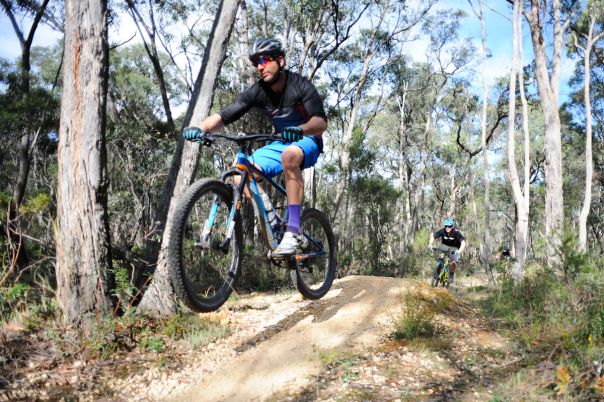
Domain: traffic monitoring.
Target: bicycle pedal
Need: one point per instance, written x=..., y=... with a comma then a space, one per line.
x=300, y=257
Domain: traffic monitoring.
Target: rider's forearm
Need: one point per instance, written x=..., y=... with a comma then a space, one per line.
x=212, y=124
x=431, y=241
x=314, y=126
x=462, y=246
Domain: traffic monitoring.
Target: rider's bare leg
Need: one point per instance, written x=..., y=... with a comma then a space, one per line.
x=291, y=159
x=452, y=269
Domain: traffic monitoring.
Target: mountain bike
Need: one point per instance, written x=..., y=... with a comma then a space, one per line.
x=206, y=239
x=444, y=256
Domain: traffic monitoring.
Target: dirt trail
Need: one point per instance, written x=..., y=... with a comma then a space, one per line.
x=356, y=314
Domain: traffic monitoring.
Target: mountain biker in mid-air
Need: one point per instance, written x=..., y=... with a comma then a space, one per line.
x=450, y=237
x=296, y=110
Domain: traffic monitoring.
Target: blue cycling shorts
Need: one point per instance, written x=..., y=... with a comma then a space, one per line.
x=268, y=158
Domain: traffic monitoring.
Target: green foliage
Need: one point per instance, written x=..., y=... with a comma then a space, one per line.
x=38, y=204
x=197, y=331
x=102, y=339
x=342, y=364
x=4, y=200
x=110, y=335
x=575, y=261
x=150, y=341
x=13, y=298
x=419, y=310
x=26, y=305
x=123, y=284
x=559, y=318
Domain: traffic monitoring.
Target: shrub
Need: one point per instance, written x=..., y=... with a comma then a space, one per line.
x=419, y=309
x=559, y=319
x=197, y=332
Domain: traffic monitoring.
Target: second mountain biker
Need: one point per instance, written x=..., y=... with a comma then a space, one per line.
x=296, y=110
x=450, y=237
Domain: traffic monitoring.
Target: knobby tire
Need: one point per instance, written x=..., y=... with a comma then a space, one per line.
x=203, y=277
x=313, y=277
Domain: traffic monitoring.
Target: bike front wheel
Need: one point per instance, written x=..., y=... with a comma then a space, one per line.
x=204, y=265
x=314, y=269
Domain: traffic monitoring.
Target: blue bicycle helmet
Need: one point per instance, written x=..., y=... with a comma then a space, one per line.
x=449, y=222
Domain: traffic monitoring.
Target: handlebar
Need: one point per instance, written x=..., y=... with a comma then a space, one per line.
x=449, y=251
x=240, y=138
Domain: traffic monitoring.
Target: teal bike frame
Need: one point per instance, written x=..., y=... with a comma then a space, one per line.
x=244, y=168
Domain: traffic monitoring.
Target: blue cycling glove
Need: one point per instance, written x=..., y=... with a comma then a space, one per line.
x=192, y=133
x=292, y=134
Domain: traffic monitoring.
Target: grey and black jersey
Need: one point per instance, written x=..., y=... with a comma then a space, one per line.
x=298, y=102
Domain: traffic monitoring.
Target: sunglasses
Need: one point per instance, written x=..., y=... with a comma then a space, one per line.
x=262, y=60
x=448, y=227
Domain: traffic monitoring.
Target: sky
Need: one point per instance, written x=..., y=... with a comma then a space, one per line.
x=499, y=38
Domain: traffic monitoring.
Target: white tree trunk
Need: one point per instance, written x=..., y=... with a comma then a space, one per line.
x=549, y=86
x=485, y=249
x=522, y=224
x=521, y=212
x=401, y=174
x=82, y=233
x=591, y=40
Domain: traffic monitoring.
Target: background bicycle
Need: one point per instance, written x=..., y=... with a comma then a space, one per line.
x=442, y=273
x=206, y=242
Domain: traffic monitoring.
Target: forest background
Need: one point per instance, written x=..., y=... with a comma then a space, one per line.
x=413, y=102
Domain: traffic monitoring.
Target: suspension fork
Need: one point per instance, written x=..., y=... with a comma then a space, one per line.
x=235, y=212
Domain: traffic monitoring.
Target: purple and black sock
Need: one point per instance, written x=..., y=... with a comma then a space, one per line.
x=293, y=211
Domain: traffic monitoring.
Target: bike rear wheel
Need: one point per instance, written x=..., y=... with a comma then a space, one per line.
x=203, y=267
x=314, y=272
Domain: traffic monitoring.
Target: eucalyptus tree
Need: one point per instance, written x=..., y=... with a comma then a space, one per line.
x=576, y=109
x=28, y=232
x=140, y=141
x=448, y=57
x=172, y=55
x=588, y=31
x=416, y=91
x=486, y=240
x=38, y=12
x=544, y=17
x=83, y=248
x=410, y=104
x=315, y=30
x=25, y=18
x=521, y=197
x=390, y=22
x=159, y=297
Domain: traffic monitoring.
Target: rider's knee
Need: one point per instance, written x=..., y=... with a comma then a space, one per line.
x=292, y=157
x=453, y=266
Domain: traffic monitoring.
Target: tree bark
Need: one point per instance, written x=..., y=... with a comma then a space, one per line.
x=486, y=233
x=524, y=212
x=402, y=163
x=590, y=41
x=521, y=224
x=159, y=299
x=83, y=247
x=24, y=84
x=549, y=86
x=485, y=247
